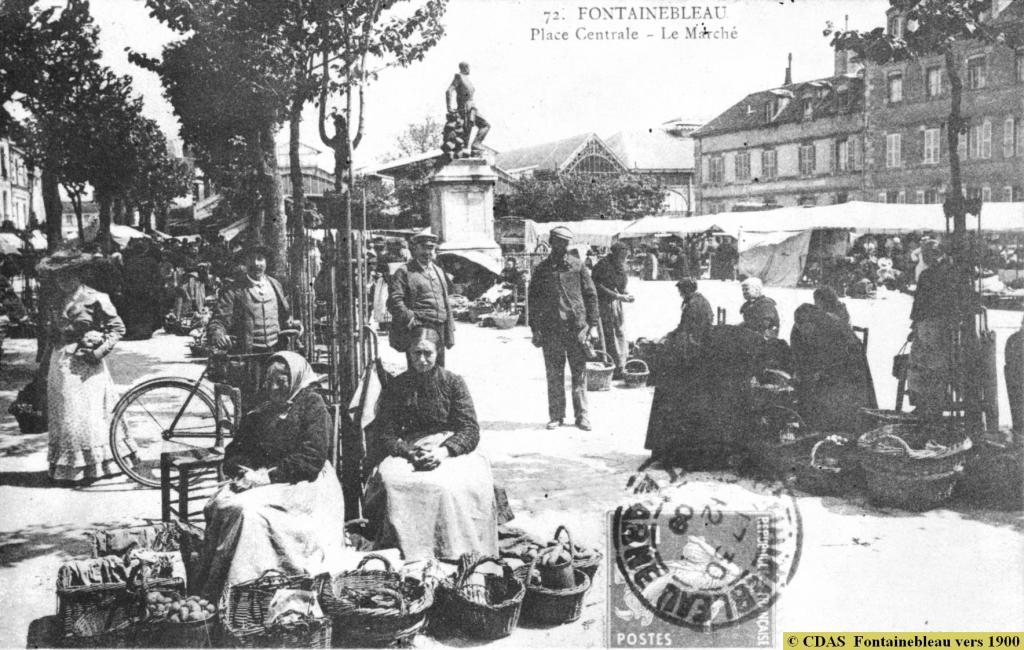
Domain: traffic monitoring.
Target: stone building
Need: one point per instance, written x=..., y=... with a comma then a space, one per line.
x=665, y=155
x=871, y=134
x=907, y=109
x=20, y=192
x=797, y=144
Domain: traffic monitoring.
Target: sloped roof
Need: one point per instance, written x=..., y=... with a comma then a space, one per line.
x=653, y=148
x=748, y=113
x=550, y=155
x=1013, y=12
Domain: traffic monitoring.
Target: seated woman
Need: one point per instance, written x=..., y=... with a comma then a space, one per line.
x=284, y=510
x=833, y=381
x=431, y=495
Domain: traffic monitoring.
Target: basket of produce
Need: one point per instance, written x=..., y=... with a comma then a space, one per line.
x=504, y=320
x=482, y=604
x=905, y=476
x=246, y=614
x=555, y=606
x=635, y=373
x=599, y=372
x=376, y=607
x=176, y=621
x=100, y=601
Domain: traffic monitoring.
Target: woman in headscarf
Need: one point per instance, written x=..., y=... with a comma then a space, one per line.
x=284, y=509
x=82, y=329
x=832, y=377
x=431, y=495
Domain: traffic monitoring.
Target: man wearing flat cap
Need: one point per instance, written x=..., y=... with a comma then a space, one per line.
x=419, y=298
x=563, y=314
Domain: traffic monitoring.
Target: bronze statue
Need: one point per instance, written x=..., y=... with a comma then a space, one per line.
x=463, y=116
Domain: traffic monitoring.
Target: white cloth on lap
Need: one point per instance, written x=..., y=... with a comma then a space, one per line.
x=440, y=513
x=292, y=527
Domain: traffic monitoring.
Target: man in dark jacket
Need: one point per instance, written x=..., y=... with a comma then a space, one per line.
x=419, y=298
x=610, y=281
x=563, y=313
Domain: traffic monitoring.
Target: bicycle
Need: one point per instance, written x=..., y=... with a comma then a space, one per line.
x=171, y=415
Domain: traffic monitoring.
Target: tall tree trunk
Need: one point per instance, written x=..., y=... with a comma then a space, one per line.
x=53, y=208
x=105, y=201
x=275, y=234
x=295, y=223
x=304, y=298
x=76, y=202
x=161, y=217
x=955, y=198
x=117, y=211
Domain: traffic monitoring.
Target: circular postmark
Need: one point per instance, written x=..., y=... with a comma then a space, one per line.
x=708, y=552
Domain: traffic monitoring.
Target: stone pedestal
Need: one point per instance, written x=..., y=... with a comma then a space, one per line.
x=462, y=206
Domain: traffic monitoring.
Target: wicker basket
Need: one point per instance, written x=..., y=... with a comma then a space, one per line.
x=245, y=611
x=821, y=478
x=635, y=373
x=555, y=606
x=488, y=611
x=163, y=633
x=898, y=479
x=587, y=563
x=504, y=320
x=362, y=625
x=103, y=614
x=599, y=373
x=995, y=477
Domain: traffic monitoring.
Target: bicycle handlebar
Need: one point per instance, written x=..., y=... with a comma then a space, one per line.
x=224, y=354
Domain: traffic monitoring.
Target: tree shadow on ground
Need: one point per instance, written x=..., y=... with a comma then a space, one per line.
x=127, y=367
x=500, y=425
x=41, y=479
x=66, y=540
x=21, y=445
x=27, y=479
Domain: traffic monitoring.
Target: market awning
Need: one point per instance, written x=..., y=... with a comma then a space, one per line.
x=595, y=232
x=121, y=234
x=234, y=229
x=477, y=257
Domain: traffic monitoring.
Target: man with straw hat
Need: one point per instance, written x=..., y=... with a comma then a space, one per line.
x=563, y=314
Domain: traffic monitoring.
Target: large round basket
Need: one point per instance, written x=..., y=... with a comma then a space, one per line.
x=164, y=633
x=586, y=560
x=995, y=477
x=898, y=478
x=374, y=607
x=245, y=609
x=555, y=606
x=635, y=373
x=599, y=373
x=505, y=320
x=487, y=611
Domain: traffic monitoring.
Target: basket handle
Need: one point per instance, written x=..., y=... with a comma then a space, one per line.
x=642, y=363
x=814, y=454
x=562, y=529
x=374, y=556
x=903, y=443
x=480, y=562
x=403, y=607
x=605, y=357
x=271, y=579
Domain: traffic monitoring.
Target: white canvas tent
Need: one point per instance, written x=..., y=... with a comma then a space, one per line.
x=594, y=232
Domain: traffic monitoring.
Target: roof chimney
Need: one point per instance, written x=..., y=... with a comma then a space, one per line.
x=789, y=71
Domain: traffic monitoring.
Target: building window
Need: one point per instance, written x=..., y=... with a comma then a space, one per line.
x=986, y=194
x=808, y=108
x=1007, y=194
x=931, y=197
x=896, y=26
x=1018, y=192
x=842, y=197
x=1018, y=66
x=973, y=193
x=842, y=162
x=932, y=138
x=895, y=85
x=901, y=196
x=933, y=82
x=769, y=164
x=1009, y=134
x=961, y=145
x=976, y=69
x=807, y=200
x=893, y=155
x=919, y=196
x=716, y=169
x=892, y=196
x=980, y=141
x=1020, y=138
x=805, y=159
x=843, y=100
x=3, y=163
x=743, y=165
x=769, y=110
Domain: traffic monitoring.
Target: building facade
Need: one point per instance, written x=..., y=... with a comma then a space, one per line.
x=875, y=133
x=908, y=106
x=20, y=194
x=663, y=154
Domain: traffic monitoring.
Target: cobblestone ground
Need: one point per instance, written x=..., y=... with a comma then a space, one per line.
x=862, y=568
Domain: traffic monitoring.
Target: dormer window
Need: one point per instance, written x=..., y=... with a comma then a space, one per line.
x=770, y=107
x=896, y=26
x=808, y=108
x=895, y=86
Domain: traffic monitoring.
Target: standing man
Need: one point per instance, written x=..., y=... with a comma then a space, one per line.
x=419, y=298
x=563, y=314
x=610, y=280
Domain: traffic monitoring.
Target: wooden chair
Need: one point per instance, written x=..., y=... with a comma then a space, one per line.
x=188, y=479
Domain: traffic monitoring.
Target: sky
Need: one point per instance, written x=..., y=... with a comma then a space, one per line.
x=533, y=89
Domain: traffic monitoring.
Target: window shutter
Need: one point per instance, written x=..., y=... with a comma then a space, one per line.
x=832, y=160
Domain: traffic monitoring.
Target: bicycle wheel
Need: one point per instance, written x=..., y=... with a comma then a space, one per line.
x=141, y=428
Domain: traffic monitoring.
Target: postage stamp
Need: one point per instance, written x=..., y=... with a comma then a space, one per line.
x=701, y=563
